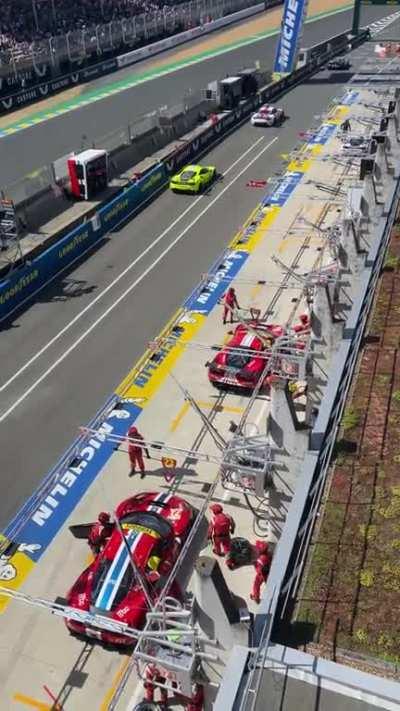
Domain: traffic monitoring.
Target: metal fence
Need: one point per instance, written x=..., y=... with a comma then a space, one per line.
x=26, y=64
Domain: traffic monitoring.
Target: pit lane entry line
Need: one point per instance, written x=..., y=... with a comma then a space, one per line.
x=137, y=281
x=115, y=281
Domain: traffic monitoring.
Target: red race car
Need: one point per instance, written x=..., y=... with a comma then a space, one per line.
x=241, y=362
x=154, y=526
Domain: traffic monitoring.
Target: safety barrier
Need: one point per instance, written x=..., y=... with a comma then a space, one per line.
x=138, y=55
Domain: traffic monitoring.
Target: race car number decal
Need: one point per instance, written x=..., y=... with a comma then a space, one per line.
x=140, y=529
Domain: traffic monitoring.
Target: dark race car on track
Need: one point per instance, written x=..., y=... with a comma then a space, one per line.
x=339, y=64
x=154, y=527
x=242, y=361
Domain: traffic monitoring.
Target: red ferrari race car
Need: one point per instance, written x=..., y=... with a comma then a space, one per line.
x=154, y=526
x=241, y=362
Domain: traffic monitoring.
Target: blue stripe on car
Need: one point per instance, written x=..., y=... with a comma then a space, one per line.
x=117, y=569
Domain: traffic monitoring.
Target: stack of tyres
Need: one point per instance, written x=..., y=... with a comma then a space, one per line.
x=241, y=553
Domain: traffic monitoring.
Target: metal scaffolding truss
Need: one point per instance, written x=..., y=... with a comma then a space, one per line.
x=247, y=464
x=206, y=278
x=286, y=358
x=328, y=274
x=171, y=640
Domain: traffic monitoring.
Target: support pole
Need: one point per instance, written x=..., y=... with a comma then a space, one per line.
x=356, y=17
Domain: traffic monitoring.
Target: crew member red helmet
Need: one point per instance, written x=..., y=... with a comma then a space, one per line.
x=261, y=546
x=216, y=508
x=132, y=430
x=104, y=517
x=304, y=318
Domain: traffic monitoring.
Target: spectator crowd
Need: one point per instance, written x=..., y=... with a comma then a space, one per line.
x=25, y=22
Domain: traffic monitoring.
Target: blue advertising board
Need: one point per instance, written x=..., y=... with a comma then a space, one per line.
x=25, y=282
x=124, y=204
x=284, y=189
x=350, y=98
x=291, y=29
x=323, y=135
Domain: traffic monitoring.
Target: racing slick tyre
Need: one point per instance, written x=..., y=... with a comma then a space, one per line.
x=239, y=554
x=147, y=706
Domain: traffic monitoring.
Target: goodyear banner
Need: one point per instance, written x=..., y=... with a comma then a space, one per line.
x=294, y=13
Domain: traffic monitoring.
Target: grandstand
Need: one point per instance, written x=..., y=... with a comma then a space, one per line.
x=26, y=26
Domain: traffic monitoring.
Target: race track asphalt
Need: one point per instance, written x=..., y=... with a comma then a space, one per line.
x=43, y=406
x=34, y=147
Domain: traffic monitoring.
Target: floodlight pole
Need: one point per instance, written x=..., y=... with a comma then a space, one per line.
x=356, y=17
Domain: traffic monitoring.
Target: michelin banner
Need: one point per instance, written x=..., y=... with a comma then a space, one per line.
x=294, y=13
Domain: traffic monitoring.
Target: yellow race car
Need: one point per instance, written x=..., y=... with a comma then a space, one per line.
x=193, y=178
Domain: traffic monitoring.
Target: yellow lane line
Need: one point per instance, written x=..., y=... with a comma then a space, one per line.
x=255, y=291
x=124, y=385
x=115, y=682
x=178, y=419
x=29, y=701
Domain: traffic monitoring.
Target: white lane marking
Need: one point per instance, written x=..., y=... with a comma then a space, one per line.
x=380, y=25
x=120, y=276
x=127, y=291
